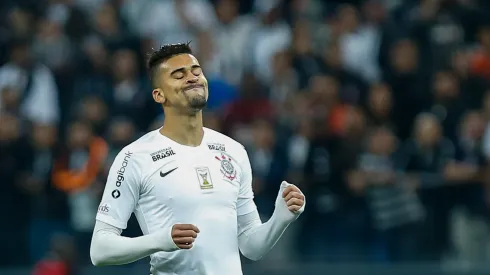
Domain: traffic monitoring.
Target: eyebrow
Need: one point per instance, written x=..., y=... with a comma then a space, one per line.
x=183, y=69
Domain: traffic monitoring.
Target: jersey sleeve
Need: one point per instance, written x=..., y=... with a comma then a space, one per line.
x=121, y=193
x=245, y=203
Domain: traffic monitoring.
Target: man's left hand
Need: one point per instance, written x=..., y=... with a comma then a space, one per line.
x=295, y=200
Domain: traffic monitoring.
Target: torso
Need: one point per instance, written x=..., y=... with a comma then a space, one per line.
x=196, y=185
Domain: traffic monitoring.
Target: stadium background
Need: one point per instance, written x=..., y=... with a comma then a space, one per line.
x=378, y=110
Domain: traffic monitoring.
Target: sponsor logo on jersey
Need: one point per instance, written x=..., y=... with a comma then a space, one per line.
x=120, y=174
x=122, y=169
x=116, y=194
x=227, y=168
x=104, y=209
x=161, y=154
x=217, y=147
x=164, y=174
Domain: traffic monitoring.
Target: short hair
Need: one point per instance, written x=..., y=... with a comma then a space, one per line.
x=165, y=52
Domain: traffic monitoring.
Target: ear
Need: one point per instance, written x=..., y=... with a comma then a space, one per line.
x=158, y=96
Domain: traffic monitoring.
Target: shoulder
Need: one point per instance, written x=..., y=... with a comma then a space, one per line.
x=220, y=142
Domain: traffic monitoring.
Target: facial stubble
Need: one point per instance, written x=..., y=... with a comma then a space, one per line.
x=196, y=101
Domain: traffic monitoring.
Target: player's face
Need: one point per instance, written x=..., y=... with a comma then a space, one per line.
x=183, y=83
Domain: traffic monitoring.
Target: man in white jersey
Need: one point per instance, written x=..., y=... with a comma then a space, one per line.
x=189, y=187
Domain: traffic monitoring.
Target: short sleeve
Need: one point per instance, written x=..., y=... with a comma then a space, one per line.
x=121, y=193
x=245, y=203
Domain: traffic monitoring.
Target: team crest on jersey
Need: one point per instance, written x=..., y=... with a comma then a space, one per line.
x=227, y=168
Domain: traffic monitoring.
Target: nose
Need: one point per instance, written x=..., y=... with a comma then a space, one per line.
x=192, y=79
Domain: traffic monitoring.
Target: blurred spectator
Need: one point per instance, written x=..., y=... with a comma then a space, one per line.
x=231, y=38
x=107, y=25
x=169, y=21
x=408, y=84
x=360, y=43
x=324, y=100
x=95, y=111
x=395, y=207
x=352, y=86
x=380, y=106
x=252, y=104
x=323, y=184
x=440, y=27
x=52, y=47
x=468, y=193
x=270, y=36
x=447, y=103
x=130, y=93
x=94, y=76
x=472, y=86
x=30, y=87
x=268, y=163
x=426, y=157
x=304, y=59
x=285, y=83
x=19, y=20
x=76, y=172
x=299, y=145
x=49, y=207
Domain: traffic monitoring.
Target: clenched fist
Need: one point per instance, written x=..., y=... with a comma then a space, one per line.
x=293, y=197
x=290, y=202
x=184, y=235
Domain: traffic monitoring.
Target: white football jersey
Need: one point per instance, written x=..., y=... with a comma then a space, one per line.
x=165, y=183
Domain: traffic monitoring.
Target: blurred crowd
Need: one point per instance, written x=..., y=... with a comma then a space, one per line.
x=378, y=110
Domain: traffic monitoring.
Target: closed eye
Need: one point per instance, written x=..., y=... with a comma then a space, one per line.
x=178, y=75
x=196, y=70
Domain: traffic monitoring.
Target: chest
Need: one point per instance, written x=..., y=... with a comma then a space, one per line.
x=196, y=180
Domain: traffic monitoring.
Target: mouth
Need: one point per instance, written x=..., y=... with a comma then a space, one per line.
x=195, y=86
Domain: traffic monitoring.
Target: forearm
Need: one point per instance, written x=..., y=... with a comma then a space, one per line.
x=109, y=248
x=256, y=238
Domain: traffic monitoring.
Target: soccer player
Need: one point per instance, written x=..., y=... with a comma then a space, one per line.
x=189, y=187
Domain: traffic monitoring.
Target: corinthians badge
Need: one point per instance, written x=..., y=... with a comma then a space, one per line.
x=227, y=168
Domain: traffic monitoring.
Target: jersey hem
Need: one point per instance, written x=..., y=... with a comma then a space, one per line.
x=111, y=221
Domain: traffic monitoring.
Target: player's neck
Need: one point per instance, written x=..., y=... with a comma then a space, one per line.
x=184, y=129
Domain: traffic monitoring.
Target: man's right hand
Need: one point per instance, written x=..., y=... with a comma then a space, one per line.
x=184, y=235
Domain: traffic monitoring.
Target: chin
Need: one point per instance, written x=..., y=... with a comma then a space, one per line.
x=197, y=103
